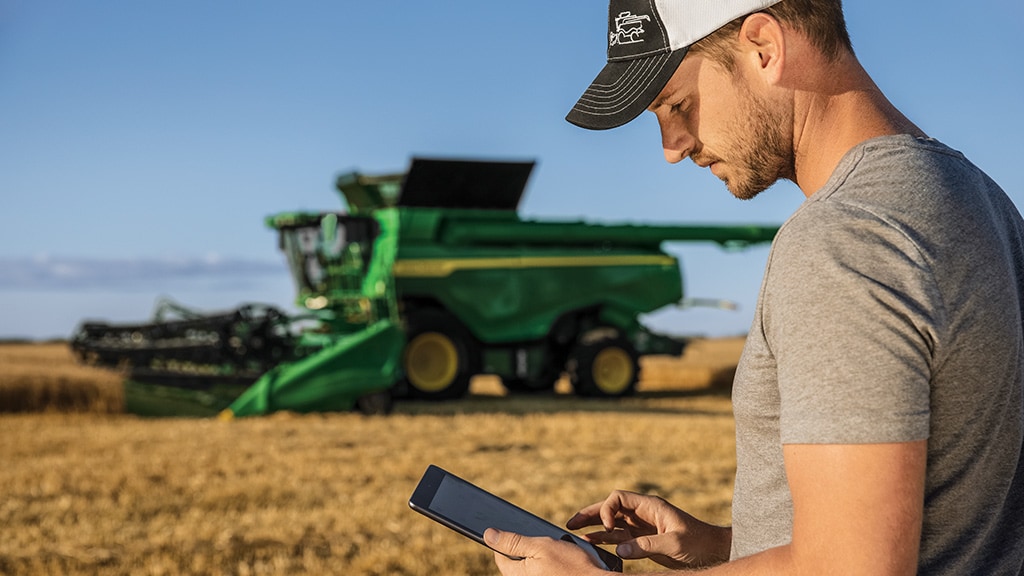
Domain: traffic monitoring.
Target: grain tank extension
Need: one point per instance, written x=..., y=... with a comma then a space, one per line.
x=431, y=277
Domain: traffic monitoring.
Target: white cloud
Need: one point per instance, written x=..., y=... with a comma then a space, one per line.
x=54, y=273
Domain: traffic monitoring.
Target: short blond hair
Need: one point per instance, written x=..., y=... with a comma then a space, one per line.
x=821, y=21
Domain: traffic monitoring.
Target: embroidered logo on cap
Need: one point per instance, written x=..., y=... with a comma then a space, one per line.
x=629, y=29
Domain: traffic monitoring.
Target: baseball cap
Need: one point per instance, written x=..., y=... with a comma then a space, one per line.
x=647, y=39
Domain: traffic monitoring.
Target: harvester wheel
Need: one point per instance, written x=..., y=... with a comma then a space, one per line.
x=607, y=367
x=440, y=356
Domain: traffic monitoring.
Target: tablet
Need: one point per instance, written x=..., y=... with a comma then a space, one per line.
x=470, y=510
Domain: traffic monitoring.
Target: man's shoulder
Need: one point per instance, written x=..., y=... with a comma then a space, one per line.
x=904, y=183
x=895, y=170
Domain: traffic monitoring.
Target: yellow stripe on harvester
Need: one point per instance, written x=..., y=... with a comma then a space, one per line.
x=441, y=267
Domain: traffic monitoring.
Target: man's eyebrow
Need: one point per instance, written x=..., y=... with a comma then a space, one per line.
x=658, y=101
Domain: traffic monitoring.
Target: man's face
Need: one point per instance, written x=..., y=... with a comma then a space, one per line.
x=721, y=123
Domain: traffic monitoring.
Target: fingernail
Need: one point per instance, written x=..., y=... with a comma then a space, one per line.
x=624, y=550
x=491, y=536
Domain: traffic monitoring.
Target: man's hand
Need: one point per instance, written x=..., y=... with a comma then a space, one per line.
x=650, y=527
x=540, y=556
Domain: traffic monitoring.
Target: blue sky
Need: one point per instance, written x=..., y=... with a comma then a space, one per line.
x=142, y=143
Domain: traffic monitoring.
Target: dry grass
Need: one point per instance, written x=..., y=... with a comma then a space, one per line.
x=112, y=494
x=45, y=377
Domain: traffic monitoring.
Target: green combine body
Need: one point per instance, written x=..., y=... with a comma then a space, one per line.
x=463, y=286
x=431, y=277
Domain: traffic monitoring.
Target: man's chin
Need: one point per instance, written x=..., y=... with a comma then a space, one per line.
x=743, y=192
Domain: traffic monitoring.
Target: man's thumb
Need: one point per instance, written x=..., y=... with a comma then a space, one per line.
x=634, y=549
x=504, y=542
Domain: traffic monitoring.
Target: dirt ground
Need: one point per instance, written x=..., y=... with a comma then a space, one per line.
x=88, y=490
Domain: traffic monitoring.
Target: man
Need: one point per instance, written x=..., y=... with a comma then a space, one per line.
x=878, y=401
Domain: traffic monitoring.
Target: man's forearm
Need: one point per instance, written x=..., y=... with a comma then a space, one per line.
x=774, y=561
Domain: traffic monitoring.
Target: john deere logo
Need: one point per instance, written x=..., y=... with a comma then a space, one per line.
x=629, y=29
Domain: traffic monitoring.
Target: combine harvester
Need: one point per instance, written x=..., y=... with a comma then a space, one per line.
x=430, y=278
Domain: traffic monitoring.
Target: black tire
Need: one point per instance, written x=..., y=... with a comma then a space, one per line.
x=607, y=367
x=440, y=356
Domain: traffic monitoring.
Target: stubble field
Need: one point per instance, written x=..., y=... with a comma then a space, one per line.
x=85, y=489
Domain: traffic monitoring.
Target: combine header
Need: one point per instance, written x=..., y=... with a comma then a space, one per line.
x=429, y=278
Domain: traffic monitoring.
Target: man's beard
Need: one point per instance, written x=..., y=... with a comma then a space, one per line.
x=760, y=152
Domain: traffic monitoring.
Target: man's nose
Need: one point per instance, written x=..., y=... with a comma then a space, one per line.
x=676, y=142
x=673, y=156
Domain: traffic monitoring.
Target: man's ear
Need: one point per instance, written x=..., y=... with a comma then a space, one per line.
x=762, y=44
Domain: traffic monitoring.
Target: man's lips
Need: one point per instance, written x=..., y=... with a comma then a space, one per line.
x=704, y=161
x=708, y=163
x=712, y=164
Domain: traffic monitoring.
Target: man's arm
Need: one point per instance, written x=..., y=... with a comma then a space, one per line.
x=857, y=509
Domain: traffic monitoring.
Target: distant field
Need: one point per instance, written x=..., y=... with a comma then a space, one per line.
x=87, y=490
x=45, y=377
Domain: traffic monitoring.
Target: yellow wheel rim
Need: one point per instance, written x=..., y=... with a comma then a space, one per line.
x=613, y=371
x=431, y=362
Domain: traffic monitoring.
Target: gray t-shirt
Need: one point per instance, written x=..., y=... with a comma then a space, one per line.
x=891, y=310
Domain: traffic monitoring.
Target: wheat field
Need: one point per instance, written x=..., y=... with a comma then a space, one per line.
x=86, y=489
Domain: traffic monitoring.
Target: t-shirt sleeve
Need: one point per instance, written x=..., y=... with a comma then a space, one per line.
x=852, y=325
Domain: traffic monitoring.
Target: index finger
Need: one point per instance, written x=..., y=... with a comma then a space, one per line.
x=588, y=516
x=602, y=513
x=611, y=507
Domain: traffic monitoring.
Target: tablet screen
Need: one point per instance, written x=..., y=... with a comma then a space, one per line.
x=477, y=511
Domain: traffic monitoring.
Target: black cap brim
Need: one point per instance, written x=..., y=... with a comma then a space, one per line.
x=623, y=90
